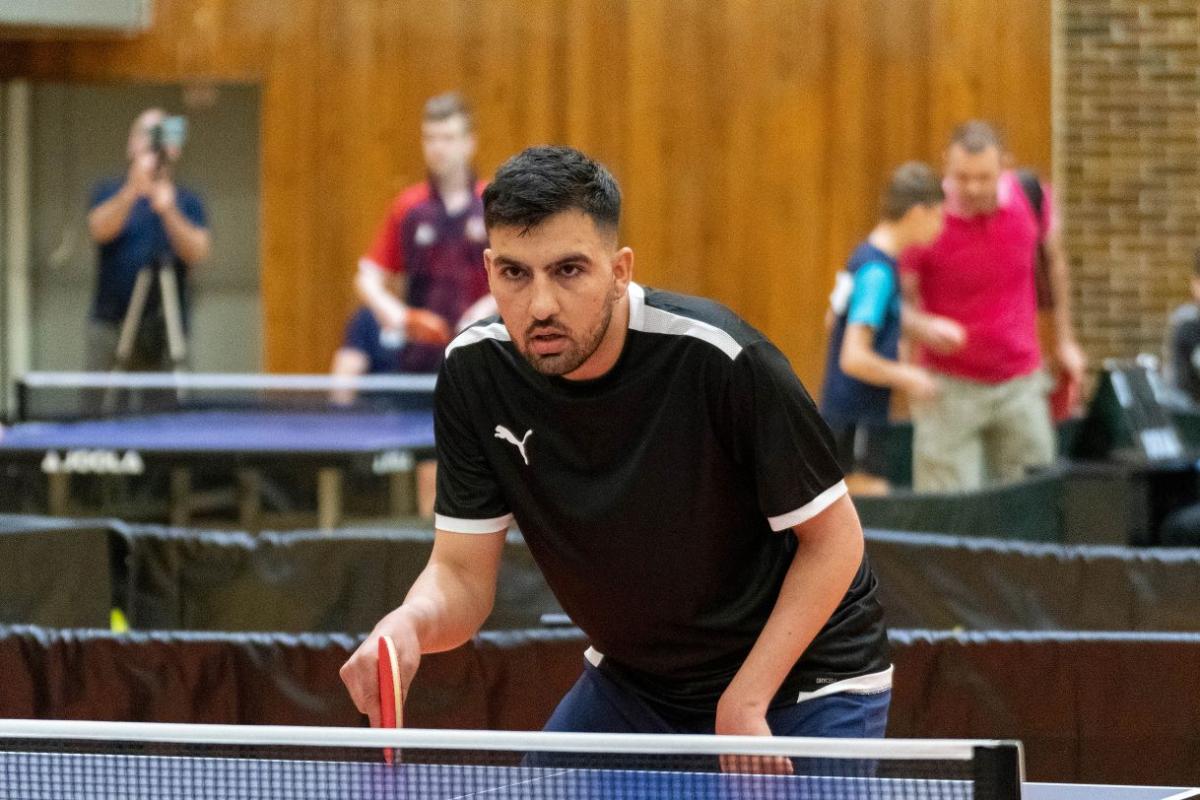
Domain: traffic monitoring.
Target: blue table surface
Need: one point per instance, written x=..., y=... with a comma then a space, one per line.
x=232, y=431
x=63, y=776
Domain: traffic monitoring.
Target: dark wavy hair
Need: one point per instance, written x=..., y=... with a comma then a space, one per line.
x=540, y=182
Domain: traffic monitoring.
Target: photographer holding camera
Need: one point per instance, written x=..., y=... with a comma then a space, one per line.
x=144, y=223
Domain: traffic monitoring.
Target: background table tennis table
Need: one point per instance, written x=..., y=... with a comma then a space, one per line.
x=75, y=776
x=242, y=441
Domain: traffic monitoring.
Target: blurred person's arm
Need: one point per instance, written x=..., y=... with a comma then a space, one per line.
x=189, y=240
x=1068, y=355
x=107, y=219
x=418, y=324
x=871, y=297
x=940, y=334
x=859, y=360
x=381, y=263
x=348, y=362
x=371, y=286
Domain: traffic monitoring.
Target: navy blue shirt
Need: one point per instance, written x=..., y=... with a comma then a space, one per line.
x=872, y=299
x=142, y=242
x=364, y=334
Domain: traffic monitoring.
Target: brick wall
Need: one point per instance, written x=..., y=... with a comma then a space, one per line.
x=1127, y=160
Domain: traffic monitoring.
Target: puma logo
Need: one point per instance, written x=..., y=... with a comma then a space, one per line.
x=507, y=435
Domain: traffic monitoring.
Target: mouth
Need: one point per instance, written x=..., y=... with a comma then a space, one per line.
x=547, y=343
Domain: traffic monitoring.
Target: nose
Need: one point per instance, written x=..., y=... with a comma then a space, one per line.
x=543, y=302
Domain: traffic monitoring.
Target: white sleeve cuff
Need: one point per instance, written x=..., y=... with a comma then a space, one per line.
x=457, y=525
x=810, y=509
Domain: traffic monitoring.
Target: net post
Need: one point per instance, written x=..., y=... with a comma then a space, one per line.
x=21, y=411
x=997, y=771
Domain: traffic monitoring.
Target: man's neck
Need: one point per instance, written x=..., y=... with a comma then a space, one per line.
x=887, y=238
x=455, y=190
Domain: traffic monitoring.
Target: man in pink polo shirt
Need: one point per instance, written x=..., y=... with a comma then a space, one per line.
x=990, y=418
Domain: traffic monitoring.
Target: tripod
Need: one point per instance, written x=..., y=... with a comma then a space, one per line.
x=169, y=289
x=168, y=284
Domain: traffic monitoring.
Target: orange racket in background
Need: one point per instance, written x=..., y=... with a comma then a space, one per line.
x=391, y=694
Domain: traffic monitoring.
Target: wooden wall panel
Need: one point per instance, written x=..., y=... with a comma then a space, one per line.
x=751, y=137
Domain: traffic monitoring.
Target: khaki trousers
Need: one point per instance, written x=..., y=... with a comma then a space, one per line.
x=976, y=433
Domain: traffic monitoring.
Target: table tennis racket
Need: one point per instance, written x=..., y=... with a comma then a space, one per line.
x=391, y=694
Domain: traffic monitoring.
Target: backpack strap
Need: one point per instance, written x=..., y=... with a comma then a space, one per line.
x=1033, y=190
x=1032, y=187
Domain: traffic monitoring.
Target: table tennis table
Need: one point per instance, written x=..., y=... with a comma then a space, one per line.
x=242, y=441
x=75, y=776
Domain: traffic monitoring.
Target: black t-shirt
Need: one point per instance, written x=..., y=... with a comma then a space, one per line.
x=653, y=497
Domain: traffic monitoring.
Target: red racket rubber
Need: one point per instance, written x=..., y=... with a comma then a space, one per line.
x=391, y=695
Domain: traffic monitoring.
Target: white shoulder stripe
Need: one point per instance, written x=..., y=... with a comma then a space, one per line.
x=479, y=333
x=810, y=509
x=656, y=320
x=458, y=525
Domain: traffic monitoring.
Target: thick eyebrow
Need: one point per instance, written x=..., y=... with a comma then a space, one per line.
x=569, y=258
x=505, y=261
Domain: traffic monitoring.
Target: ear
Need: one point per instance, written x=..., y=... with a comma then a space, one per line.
x=489, y=265
x=623, y=269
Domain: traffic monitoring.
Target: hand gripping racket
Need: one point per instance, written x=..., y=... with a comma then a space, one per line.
x=391, y=694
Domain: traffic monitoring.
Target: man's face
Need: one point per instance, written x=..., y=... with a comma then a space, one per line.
x=974, y=177
x=139, y=135
x=448, y=145
x=557, y=286
x=927, y=223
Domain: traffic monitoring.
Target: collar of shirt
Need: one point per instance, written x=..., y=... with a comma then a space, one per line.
x=435, y=194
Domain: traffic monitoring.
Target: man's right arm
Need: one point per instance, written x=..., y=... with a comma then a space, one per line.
x=859, y=360
x=371, y=286
x=872, y=293
x=107, y=219
x=940, y=334
x=418, y=324
x=445, y=607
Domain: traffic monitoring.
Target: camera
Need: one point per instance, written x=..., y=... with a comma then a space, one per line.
x=167, y=137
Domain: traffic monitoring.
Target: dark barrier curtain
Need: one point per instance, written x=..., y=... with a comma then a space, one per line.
x=1090, y=708
x=300, y=582
x=507, y=680
x=949, y=582
x=305, y=582
x=56, y=573
x=308, y=582
x=1031, y=510
x=1117, y=708
x=1105, y=502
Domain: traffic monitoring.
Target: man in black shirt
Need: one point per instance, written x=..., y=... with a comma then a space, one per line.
x=670, y=475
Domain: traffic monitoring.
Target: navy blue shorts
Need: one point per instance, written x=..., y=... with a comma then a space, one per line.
x=597, y=704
